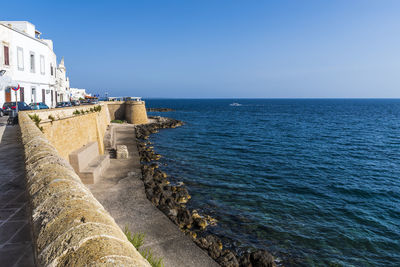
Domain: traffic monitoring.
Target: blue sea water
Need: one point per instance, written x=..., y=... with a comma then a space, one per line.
x=314, y=181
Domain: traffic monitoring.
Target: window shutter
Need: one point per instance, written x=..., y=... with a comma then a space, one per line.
x=6, y=56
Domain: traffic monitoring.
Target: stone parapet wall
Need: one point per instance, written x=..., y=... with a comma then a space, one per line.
x=62, y=113
x=70, y=227
x=69, y=132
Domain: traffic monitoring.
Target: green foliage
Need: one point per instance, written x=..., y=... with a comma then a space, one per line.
x=36, y=119
x=97, y=108
x=117, y=121
x=51, y=118
x=76, y=112
x=137, y=240
x=154, y=261
x=91, y=110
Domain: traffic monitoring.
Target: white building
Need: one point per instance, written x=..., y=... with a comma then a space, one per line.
x=31, y=62
x=62, y=83
x=77, y=93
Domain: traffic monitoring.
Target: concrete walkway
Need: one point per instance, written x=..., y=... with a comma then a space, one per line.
x=121, y=192
x=15, y=232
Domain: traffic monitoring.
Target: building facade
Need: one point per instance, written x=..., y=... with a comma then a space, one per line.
x=78, y=93
x=31, y=62
x=62, y=83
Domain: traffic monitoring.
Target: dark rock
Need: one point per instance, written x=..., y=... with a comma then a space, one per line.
x=155, y=200
x=214, y=251
x=202, y=243
x=244, y=260
x=259, y=258
x=228, y=259
x=262, y=258
x=215, y=246
x=159, y=109
x=184, y=218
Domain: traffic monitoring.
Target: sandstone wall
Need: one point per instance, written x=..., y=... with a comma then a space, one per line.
x=116, y=110
x=135, y=112
x=69, y=132
x=60, y=113
x=70, y=227
x=131, y=111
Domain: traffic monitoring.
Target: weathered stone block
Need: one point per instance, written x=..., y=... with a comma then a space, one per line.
x=122, y=152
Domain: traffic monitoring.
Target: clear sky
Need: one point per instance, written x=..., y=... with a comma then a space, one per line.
x=223, y=48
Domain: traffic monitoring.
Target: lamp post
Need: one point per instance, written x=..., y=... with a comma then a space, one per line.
x=15, y=89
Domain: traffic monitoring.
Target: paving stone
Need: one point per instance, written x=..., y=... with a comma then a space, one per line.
x=15, y=232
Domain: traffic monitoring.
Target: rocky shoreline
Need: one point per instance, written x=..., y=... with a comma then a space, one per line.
x=159, y=109
x=172, y=199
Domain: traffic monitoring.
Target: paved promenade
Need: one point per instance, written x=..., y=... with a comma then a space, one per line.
x=15, y=234
x=121, y=192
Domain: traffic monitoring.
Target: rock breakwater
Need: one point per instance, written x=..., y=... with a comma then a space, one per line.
x=159, y=109
x=172, y=199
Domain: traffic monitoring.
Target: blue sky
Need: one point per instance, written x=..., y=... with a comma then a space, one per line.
x=223, y=48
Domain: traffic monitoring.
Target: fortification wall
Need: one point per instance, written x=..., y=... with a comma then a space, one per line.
x=116, y=110
x=70, y=227
x=131, y=111
x=135, y=112
x=69, y=132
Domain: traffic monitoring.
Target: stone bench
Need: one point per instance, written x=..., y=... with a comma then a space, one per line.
x=87, y=162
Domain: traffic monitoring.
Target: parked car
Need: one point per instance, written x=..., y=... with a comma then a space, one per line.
x=75, y=103
x=63, y=104
x=39, y=105
x=9, y=106
x=60, y=105
x=1, y=112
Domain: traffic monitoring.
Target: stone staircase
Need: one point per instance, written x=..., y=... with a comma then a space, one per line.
x=88, y=164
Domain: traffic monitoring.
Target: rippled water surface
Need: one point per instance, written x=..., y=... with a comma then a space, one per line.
x=314, y=181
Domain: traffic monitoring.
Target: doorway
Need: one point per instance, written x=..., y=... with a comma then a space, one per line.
x=8, y=95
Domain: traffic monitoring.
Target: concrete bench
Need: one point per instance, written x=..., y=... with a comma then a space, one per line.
x=87, y=162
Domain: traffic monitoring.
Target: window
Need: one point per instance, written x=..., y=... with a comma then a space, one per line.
x=33, y=95
x=51, y=69
x=6, y=56
x=42, y=64
x=20, y=58
x=32, y=56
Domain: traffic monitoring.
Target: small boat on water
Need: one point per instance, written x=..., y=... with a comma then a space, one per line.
x=235, y=104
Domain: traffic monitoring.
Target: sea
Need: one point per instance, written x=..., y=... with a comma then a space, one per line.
x=314, y=181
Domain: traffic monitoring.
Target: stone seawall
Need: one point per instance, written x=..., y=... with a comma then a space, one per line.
x=68, y=132
x=132, y=111
x=70, y=227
